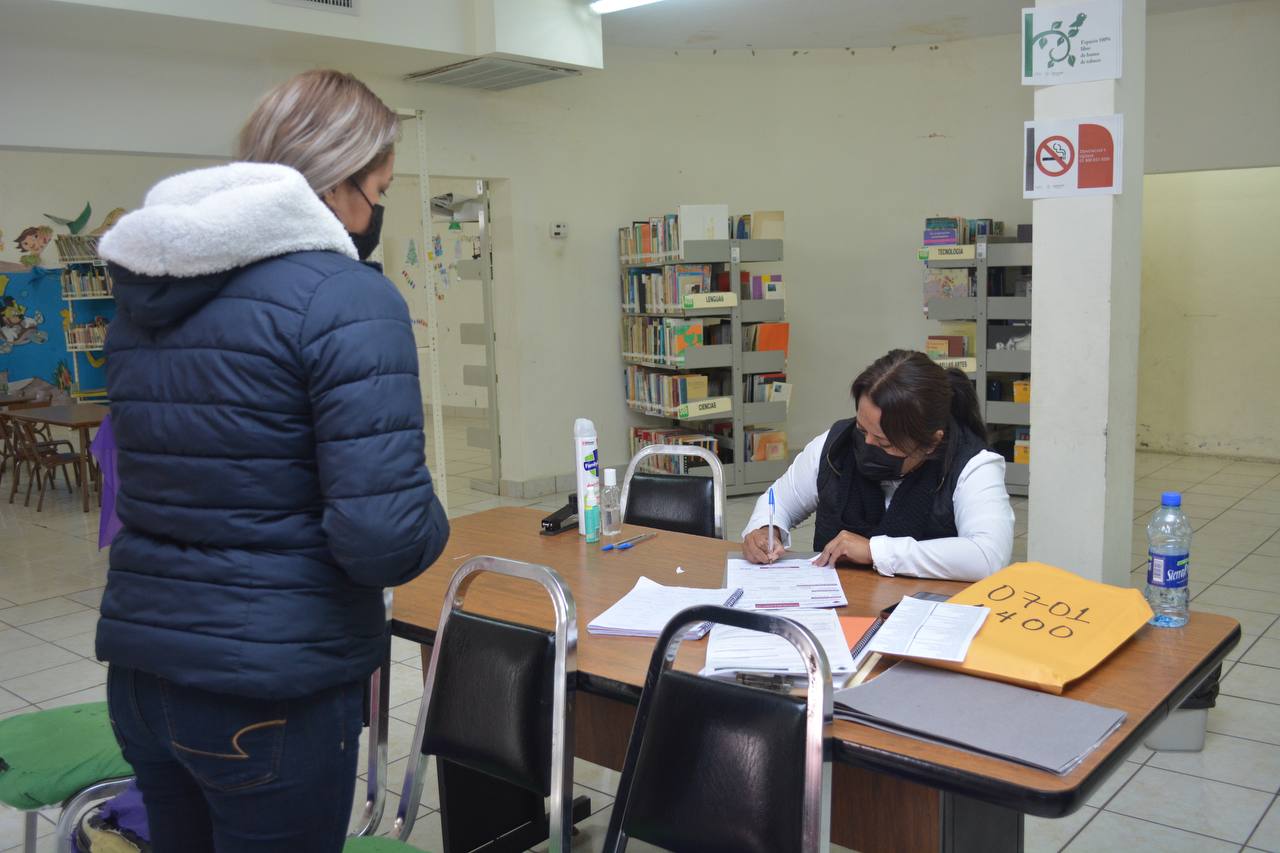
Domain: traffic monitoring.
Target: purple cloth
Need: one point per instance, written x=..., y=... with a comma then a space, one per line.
x=124, y=812
x=103, y=449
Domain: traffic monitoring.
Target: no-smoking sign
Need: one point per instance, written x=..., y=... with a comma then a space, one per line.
x=1067, y=157
x=1055, y=156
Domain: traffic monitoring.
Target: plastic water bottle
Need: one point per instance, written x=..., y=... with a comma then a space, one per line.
x=586, y=461
x=611, y=504
x=1168, y=562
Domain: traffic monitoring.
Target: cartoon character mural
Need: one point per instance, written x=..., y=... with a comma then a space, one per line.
x=16, y=328
x=32, y=241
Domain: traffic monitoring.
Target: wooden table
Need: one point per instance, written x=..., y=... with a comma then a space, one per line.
x=81, y=417
x=890, y=792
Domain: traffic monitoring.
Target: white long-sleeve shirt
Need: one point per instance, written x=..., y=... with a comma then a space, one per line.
x=984, y=520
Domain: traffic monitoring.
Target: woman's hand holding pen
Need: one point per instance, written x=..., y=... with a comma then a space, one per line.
x=755, y=545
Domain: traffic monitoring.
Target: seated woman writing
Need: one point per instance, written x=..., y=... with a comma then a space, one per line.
x=907, y=486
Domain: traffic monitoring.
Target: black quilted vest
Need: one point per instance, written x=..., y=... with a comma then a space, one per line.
x=921, y=507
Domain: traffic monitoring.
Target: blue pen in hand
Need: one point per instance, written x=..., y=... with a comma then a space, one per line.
x=770, y=552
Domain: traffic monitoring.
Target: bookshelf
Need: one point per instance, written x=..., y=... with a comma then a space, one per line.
x=983, y=309
x=724, y=409
x=86, y=281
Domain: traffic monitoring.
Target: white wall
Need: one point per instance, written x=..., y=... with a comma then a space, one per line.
x=857, y=149
x=1213, y=88
x=1210, y=309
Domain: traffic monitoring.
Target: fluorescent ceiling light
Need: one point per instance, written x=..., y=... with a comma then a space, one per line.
x=604, y=7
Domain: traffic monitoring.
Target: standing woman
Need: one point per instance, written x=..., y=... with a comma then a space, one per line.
x=907, y=486
x=264, y=395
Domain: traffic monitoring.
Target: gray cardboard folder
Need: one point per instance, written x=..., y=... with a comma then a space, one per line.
x=989, y=717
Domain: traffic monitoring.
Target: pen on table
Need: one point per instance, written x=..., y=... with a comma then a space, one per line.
x=771, y=522
x=628, y=543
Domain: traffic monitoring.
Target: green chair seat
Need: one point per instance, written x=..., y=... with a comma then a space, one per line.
x=52, y=755
x=377, y=844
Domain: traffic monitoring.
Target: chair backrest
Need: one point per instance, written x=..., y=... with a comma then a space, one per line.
x=714, y=766
x=496, y=698
x=684, y=503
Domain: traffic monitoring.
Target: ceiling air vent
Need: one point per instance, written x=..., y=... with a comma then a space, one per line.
x=346, y=7
x=492, y=74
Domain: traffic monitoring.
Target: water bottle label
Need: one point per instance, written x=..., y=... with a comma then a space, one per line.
x=1168, y=571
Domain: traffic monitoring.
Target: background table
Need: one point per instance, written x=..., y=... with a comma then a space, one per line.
x=80, y=417
x=890, y=792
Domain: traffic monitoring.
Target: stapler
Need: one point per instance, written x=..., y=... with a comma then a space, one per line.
x=565, y=518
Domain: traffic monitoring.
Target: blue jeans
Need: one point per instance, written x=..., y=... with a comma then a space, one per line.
x=233, y=774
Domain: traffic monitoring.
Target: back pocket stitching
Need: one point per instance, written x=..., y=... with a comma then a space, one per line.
x=240, y=754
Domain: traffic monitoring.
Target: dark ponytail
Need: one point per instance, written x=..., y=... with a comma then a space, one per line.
x=964, y=404
x=917, y=398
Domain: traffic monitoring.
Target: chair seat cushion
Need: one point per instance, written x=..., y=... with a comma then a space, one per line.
x=53, y=754
x=376, y=844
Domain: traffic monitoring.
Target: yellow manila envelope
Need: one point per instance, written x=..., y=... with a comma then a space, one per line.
x=1047, y=626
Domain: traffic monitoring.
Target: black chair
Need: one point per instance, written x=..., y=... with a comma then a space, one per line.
x=682, y=503
x=717, y=767
x=497, y=714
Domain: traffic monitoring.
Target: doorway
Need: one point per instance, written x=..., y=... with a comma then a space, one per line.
x=458, y=265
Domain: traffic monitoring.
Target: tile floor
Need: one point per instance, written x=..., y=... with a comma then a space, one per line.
x=1224, y=798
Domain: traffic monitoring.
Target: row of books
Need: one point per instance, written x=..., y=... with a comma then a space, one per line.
x=766, y=388
x=87, y=335
x=766, y=287
x=657, y=291
x=957, y=230
x=664, y=340
x=658, y=393
x=656, y=238
x=82, y=281
x=765, y=445
x=1013, y=443
x=77, y=248
x=660, y=239
x=761, y=225
x=642, y=437
x=763, y=337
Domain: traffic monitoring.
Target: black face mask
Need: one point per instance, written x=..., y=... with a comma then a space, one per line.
x=874, y=463
x=368, y=241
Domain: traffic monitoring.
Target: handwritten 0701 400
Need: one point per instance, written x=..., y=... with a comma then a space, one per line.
x=1060, y=609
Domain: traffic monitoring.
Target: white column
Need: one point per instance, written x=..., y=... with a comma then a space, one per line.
x=1084, y=356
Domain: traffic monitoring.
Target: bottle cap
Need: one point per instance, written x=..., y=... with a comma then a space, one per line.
x=610, y=477
x=1171, y=499
x=584, y=428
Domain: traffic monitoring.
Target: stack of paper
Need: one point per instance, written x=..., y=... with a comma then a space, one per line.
x=928, y=629
x=979, y=715
x=791, y=584
x=649, y=606
x=732, y=651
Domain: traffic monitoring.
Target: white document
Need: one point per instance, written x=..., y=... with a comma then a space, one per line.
x=646, y=609
x=732, y=650
x=929, y=629
x=785, y=584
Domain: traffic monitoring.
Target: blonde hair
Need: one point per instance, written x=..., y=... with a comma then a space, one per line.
x=326, y=124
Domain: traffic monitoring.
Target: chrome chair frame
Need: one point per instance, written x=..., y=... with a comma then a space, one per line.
x=717, y=474
x=376, y=758
x=818, y=715
x=565, y=671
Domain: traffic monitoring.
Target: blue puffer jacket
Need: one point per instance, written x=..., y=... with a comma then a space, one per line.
x=264, y=395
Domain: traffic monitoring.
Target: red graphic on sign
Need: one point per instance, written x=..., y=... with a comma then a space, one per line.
x=1097, y=157
x=1055, y=156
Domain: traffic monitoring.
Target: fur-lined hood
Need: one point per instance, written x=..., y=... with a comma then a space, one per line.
x=220, y=219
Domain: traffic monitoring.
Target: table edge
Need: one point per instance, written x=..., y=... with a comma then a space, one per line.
x=1028, y=800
